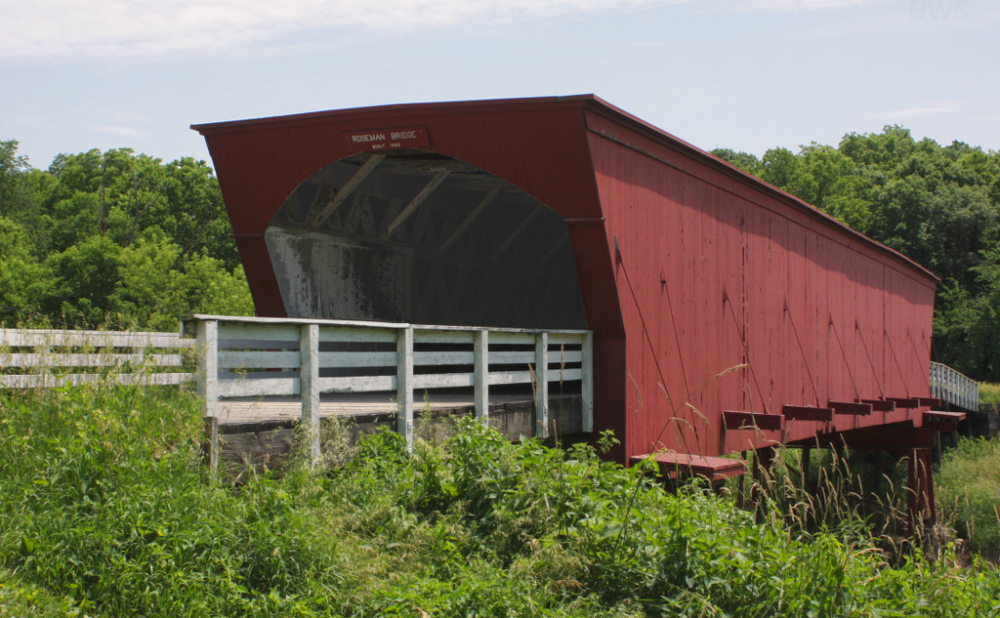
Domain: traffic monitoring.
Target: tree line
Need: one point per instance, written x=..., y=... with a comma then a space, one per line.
x=938, y=205
x=114, y=239
x=119, y=239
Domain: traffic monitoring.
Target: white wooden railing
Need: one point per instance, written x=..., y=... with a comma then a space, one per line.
x=264, y=357
x=953, y=387
x=33, y=358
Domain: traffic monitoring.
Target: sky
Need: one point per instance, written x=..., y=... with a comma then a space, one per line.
x=743, y=74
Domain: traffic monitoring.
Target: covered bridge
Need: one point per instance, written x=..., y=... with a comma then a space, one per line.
x=726, y=314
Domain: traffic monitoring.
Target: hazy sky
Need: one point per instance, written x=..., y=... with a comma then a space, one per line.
x=744, y=74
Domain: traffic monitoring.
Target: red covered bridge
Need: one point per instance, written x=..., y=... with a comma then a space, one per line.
x=726, y=314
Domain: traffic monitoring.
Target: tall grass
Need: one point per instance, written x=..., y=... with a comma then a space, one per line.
x=105, y=509
x=989, y=395
x=968, y=492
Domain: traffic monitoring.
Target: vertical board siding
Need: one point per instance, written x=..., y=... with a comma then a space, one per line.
x=724, y=270
x=738, y=272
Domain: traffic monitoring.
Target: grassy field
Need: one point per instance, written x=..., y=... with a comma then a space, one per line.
x=989, y=395
x=968, y=488
x=105, y=510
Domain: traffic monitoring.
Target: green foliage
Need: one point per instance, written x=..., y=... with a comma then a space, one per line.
x=989, y=395
x=114, y=239
x=106, y=510
x=968, y=492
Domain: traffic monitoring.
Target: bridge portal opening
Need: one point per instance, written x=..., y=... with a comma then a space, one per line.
x=415, y=236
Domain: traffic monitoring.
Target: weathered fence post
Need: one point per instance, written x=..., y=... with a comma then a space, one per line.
x=404, y=383
x=587, y=382
x=481, y=353
x=542, y=388
x=208, y=387
x=309, y=386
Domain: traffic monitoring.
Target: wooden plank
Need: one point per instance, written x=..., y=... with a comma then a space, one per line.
x=91, y=360
x=512, y=338
x=807, y=413
x=358, y=384
x=464, y=225
x=510, y=377
x=258, y=359
x=564, y=357
x=880, y=405
x=15, y=337
x=587, y=386
x=712, y=468
x=736, y=419
x=228, y=375
x=851, y=407
x=481, y=355
x=560, y=338
x=404, y=384
x=415, y=203
x=258, y=332
x=512, y=358
x=309, y=385
x=443, y=380
x=208, y=366
x=257, y=388
x=345, y=191
x=565, y=375
x=541, y=386
x=942, y=415
x=357, y=359
x=443, y=358
x=423, y=335
x=357, y=335
x=236, y=319
x=258, y=344
x=908, y=403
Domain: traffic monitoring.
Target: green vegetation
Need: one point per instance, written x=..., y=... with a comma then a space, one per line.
x=114, y=239
x=968, y=487
x=989, y=395
x=105, y=510
x=939, y=205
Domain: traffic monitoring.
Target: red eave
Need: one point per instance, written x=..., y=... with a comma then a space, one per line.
x=387, y=110
x=721, y=165
x=583, y=101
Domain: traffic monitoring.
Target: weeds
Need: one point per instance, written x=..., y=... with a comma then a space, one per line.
x=105, y=510
x=969, y=493
x=989, y=395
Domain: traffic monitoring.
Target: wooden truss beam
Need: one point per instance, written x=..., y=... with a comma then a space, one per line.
x=415, y=203
x=517, y=232
x=464, y=225
x=345, y=191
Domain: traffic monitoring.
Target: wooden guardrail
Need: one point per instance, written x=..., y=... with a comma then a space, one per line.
x=264, y=357
x=32, y=358
x=953, y=387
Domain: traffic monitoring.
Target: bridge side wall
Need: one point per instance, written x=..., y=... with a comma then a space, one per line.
x=717, y=275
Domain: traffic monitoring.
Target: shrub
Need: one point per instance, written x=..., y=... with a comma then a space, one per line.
x=105, y=509
x=968, y=492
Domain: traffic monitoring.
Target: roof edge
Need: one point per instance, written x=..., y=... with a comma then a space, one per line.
x=727, y=168
x=599, y=105
x=218, y=127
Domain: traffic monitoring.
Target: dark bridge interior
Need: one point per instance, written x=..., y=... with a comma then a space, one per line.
x=414, y=236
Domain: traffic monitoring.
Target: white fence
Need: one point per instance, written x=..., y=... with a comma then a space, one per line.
x=953, y=387
x=264, y=357
x=50, y=358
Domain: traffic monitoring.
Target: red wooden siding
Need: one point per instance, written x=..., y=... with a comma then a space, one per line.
x=718, y=272
x=725, y=278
